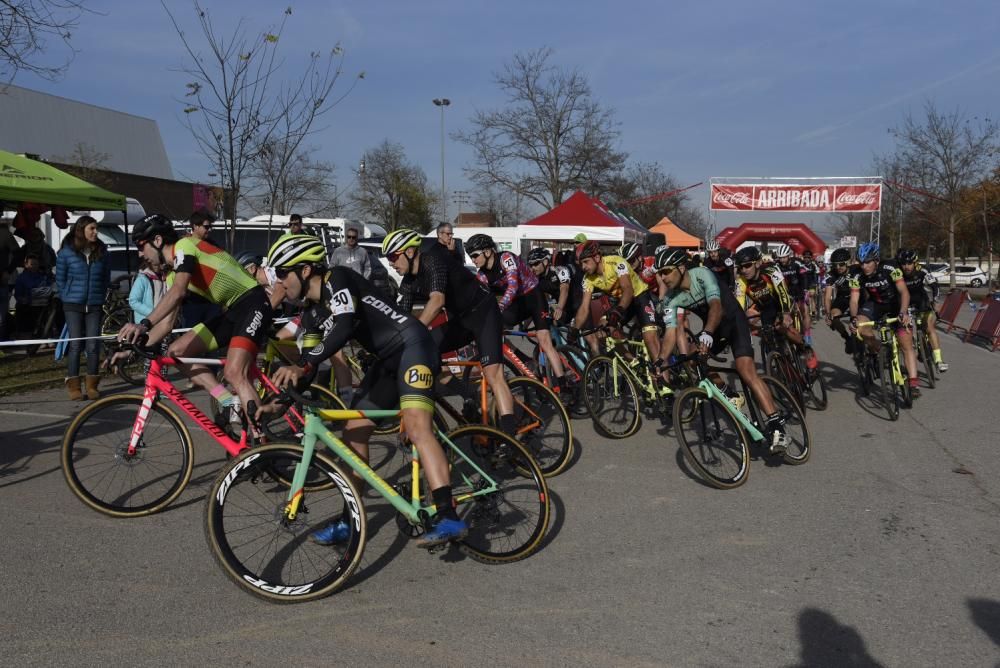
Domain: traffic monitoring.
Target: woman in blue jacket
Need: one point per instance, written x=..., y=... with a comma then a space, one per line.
x=83, y=274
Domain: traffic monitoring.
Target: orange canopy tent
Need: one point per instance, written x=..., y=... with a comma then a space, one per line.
x=674, y=235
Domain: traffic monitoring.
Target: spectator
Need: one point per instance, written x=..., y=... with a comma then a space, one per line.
x=147, y=290
x=8, y=249
x=351, y=255
x=196, y=308
x=32, y=292
x=201, y=226
x=295, y=224
x=446, y=237
x=83, y=274
x=35, y=243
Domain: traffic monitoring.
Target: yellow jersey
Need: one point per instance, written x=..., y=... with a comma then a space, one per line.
x=610, y=269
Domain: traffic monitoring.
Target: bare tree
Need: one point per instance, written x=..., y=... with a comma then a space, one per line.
x=502, y=204
x=550, y=139
x=394, y=191
x=88, y=161
x=946, y=154
x=26, y=29
x=305, y=186
x=647, y=193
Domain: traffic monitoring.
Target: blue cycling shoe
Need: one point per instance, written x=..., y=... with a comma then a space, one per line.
x=331, y=534
x=445, y=530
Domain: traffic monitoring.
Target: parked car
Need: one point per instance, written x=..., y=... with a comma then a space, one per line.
x=965, y=274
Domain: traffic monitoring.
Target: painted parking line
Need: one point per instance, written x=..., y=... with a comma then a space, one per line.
x=30, y=414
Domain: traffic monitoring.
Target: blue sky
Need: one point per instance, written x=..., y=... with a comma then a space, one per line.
x=706, y=89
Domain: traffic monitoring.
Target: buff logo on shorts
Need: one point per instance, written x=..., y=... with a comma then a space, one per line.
x=419, y=377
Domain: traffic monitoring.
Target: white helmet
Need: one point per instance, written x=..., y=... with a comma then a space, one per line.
x=782, y=250
x=711, y=245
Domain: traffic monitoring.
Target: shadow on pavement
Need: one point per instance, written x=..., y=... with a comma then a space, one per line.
x=18, y=455
x=827, y=642
x=986, y=615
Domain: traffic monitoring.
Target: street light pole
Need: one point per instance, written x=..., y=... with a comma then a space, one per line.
x=442, y=102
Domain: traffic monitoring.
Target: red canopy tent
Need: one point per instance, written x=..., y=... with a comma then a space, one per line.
x=581, y=214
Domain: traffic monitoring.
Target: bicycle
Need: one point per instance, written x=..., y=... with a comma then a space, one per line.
x=257, y=525
x=48, y=324
x=127, y=455
x=116, y=310
x=786, y=362
x=715, y=434
x=620, y=385
x=543, y=426
x=886, y=365
x=517, y=363
x=922, y=345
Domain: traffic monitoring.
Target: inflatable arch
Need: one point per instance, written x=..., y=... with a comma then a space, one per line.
x=796, y=235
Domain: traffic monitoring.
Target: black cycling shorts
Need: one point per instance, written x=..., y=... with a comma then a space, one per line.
x=875, y=311
x=842, y=304
x=482, y=324
x=733, y=331
x=244, y=325
x=405, y=380
x=531, y=305
x=642, y=310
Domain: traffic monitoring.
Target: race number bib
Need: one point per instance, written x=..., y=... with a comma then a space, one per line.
x=341, y=302
x=621, y=269
x=509, y=263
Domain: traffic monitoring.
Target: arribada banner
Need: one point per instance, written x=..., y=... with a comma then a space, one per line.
x=857, y=198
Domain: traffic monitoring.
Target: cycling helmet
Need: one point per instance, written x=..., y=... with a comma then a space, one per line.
x=399, y=240
x=538, y=255
x=747, y=254
x=906, y=256
x=630, y=250
x=711, y=245
x=246, y=258
x=150, y=226
x=840, y=255
x=295, y=249
x=480, y=242
x=868, y=251
x=766, y=258
x=807, y=254
x=782, y=250
x=587, y=249
x=669, y=257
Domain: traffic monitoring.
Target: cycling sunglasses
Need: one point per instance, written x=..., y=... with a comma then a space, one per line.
x=666, y=271
x=840, y=264
x=392, y=257
x=475, y=255
x=281, y=272
x=536, y=263
x=747, y=265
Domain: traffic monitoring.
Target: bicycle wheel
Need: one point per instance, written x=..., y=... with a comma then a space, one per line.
x=265, y=553
x=888, y=388
x=799, y=438
x=115, y=320
x=927, y=353
x=780, y=367
x=611, y=397
x=816, y=388
x=507, y=524
x=99, y=470
x=543, y=427
x=713, y=441
x=575, y=361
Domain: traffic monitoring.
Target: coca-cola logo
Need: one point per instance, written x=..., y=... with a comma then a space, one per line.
x=849, y=199
x=722, y=197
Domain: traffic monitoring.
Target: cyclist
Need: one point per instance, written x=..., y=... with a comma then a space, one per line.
x=762, y=291
x=611, y=274
x=641, y=265
x=837, y=295
x=506, y=275
x=812, y=279
x=205, y=270
x=923, y=292
x=795, y=281
x=886, y=295
x=473, y=314
x=717, y=259
x=342, y=305
x=554, y=282
x=725, y=324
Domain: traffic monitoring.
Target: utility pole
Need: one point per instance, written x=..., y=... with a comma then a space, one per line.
x=442, y=103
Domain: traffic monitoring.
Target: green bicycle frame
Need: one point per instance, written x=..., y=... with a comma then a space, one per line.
x=713, y=391
x=644, y=379
x=315, y=431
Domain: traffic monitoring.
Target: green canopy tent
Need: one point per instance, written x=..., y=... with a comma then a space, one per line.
x=26, y=180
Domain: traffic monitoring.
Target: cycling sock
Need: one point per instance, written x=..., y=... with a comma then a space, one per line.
x=937, y=356
x=508, y=424
x=914, y=382
x=222, y=395
x=442, y=501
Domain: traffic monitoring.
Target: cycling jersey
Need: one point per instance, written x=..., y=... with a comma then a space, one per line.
x=923, y=289
x=215, y=274
x=647, y=273
x=733, y=327
x=795, y=278
x=841, y=290
x=510, y=277
x=723, y=270
x=610, y=268
x=441, y=272
x=350, y=308
x=880, y=286
x=812, y=273
x=552, y=280
x=766, y=291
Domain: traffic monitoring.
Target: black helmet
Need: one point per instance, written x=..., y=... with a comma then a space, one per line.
x=669, y=257
x=246, y=258
x=150, y=226
x=479, y=242
x=840, y=255
x=538, y=255
x=630, y=250
x=906, y=256
x=747, y=254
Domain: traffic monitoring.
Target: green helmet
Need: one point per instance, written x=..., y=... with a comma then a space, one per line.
x=295, y=249
x=398, y=241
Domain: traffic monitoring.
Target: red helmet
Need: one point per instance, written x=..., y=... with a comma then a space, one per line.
x=587, y=249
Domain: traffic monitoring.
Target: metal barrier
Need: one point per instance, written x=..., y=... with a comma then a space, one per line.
x=986, y=325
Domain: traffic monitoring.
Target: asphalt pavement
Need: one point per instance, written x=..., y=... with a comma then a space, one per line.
x=881, y=550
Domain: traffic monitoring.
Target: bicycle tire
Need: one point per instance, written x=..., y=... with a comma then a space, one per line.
x=928, y=354
x=551, y=442
x=612, y=398
x=575, y=359
x=780, y=367
x=507, y=525
x=816, y=388
x=245, y=497
x=796, y=428
x=721, y=455
x=888, y=384
x=80, y=454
